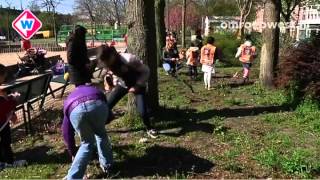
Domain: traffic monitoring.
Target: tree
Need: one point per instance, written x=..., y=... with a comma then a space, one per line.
x=51, y=6
x=142, y=42
x=244, y=7
x=88, y=6
x=160, y=27
x=183, y=19
x=270, y=44
x=33, y=6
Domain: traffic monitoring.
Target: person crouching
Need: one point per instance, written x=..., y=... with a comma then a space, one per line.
x=86, y=112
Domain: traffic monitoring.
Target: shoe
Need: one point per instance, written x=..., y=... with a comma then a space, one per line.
x=106, y=170
x=152, y=133
x=2, y=166
x=18, y=163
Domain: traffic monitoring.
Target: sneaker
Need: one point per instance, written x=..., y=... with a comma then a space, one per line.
x=152, y=133
x=2, y=166
x=18, y=163
x=106, y=170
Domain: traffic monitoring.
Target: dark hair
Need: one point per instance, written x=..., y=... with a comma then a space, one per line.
x=106, y=53
x=210, y=40
x=192, y=44
x=3, y=70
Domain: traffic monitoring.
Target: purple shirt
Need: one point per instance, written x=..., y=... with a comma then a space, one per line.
x=76, y=96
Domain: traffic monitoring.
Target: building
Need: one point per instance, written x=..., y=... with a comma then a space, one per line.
x=220, y=23
x=308, y=21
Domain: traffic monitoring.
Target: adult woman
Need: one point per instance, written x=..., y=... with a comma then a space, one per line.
x=170, y=57
x=86, y=112
x=78, y=58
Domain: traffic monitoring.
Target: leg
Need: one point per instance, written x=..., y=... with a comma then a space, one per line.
x=80, y=122
x=209, y=74
x=142, y=109
x=116, y=95
x=205, y=79
x=195, y=71
x=98, y=116
x=190, y=70
x=5, y=143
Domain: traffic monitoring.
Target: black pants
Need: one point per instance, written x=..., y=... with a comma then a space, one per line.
x=119, y=92
x=193, y=71
x=6, y=154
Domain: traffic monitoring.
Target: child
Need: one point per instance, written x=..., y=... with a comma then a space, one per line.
x=246, y=53
x=7, y=114
x=192, y=60
x=182, y=58
x=86, y=112
x=133, y=77
x=208, y=55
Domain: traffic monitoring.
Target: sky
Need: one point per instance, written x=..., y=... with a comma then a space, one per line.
x=66, y=6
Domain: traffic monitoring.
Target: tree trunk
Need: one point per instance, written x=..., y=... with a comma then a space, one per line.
x=184, y=7
x=270, y=46
x=142, y=42
x=55, y=26
x=160, y=28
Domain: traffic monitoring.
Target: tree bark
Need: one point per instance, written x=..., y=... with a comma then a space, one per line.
x=270, y=46
x=184, y=7
x=160, y=28
x=142, y=42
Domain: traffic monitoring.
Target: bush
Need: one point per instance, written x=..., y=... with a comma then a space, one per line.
x=299, y=71
x=228, y=43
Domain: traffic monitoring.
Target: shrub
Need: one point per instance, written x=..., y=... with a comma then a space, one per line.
x=228, y=44
x=299, y=71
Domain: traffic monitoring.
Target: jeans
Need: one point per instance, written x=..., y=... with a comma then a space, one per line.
x=6, y=154
x=119, y=92
x=88, y=119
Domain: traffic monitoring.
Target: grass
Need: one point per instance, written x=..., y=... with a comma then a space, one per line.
x=232, y=131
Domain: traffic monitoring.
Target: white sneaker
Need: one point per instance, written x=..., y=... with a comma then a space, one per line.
x=152, y=133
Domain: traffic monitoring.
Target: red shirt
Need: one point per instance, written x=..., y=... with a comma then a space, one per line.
x=26, y=44
x=7, y=105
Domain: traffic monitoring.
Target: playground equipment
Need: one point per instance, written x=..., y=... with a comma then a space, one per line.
x=98, y=32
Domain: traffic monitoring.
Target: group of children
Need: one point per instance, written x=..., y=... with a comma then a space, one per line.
x=204, y=56
x=87, y=109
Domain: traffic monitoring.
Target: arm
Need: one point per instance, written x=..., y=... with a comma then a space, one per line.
x=68, y=135
x=238, y=52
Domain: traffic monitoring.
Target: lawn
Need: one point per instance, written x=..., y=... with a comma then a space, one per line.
x=232, y=131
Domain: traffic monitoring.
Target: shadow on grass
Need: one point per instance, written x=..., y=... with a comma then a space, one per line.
x=161, y=161
x=189, y=120
x=43, y=155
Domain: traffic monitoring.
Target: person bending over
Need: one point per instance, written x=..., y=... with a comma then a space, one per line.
x=86, y=112
x=133, y=76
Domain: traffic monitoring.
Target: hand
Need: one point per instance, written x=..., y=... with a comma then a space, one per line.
x=132, y=90
x=15, y=95
x=72, y=158
x=14, y=118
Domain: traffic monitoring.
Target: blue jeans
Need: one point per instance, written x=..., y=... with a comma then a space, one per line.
x=88, y=119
